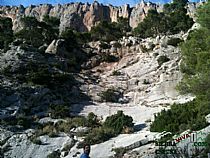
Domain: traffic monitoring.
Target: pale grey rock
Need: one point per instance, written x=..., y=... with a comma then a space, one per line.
x=56, y=47
x=139, y=12
x=208, y=118
x=80, y=129
x=22, y=147
x=164, y=41
x=49, y=119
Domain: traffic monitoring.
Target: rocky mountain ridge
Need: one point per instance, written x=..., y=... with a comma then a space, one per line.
x=83, y=17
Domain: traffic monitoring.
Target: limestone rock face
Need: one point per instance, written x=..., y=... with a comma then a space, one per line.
x=140, y=11
x=83, y=17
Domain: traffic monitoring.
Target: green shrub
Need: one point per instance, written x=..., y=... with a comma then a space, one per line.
x=155, y=54
x=79, y=121
x=118, y=122
x=174, y=41
x=36, y=140
x=117, y=45
x=112, y=126
x=119, y=152
x=110, y=95
x=59, y=111
x=162, y=59
x=154, y=24
x=92, y=120
x=64, y=126
x=195, y=66
x=104, y=45
x=109, y=58
x=207, y=148
x=71, y=123
x=31, y=32
x=180, y=118
x=6, y=33
x=54, y=154
x=37, y=33
x=146, y=81
x=70, y=39
x=25, y=122
x=144, y=49
x=99, y=135
x=116, y=73
x=107, y=31
x=172, y=20
x=52, y=21
x=43, y=76
x=83, y=37
x=48, y=129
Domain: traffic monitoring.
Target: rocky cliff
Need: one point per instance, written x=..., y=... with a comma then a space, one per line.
x=83, y=17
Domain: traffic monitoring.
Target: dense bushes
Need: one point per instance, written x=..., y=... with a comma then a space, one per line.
x=162, y=59
x=92, y=120
x=174, y=41
x=110, y=95
x=36, y=141
x=116, y=73
x=109, y=58
x=196, y=59
x=195, y=66
x=207, y=149
x=118, y=122
x=72, y=43
x=107, y=31
x=6, y=33
x=112, y=126
x=22, y=121
x=181, y=117
x=41, y=74
x=44, y=77
x=152, y=25
x=37, y=33
x=96, y=132
x=99, y=135
x=54, y=154
x=59, y=111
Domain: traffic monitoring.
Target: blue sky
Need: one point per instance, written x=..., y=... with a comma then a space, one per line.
x=113, y=2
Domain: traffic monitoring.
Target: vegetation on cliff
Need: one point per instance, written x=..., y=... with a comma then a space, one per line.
x=172, y=20
x=113, y=125
x=37, y=33
x=6, y=32
x=107, y=31
x=195, y=67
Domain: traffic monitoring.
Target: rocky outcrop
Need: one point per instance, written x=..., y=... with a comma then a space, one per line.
x=17, y=91
x=83, y=17
x=140, y=11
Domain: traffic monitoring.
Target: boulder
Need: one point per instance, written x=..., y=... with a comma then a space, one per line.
x=56, y=47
